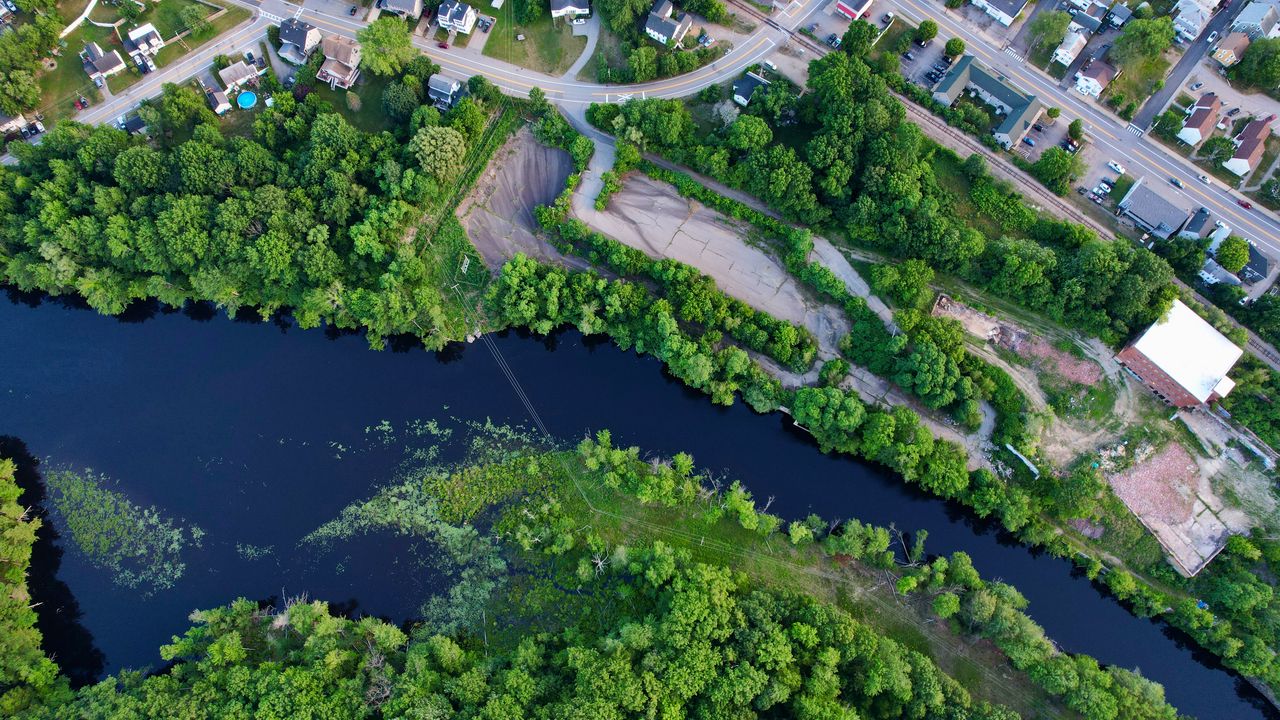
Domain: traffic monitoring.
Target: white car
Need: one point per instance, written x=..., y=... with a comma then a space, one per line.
x=579, y=21
x=1116, y=167
x=1212, y=36
x=1205, y=179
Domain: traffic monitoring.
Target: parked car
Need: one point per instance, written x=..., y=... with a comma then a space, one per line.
x=576, y=21
x=1212, y=36
x=1245, y=204
x=1233, y=112
x=1038, y=127
x=888, y=18
x=442, y=45
x=924, y=43
x=1176, y=182
x=1115, y=166
x=1028, y=141
x=947, y=60
x=813, y=27
x=354, y=9
x=1196, y=86
x=39, y=127
x=908, y=56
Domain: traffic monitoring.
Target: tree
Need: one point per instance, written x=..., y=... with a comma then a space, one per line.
x=483, y=90
x=1048, y=28
x=1055, y=168
x=467, y=118
x=1260, y=65
x=858, y=38
x=748, y=133
x=440, y=152
x=621, y=15
x=386, y=46
x=18, y=91
x=1217, y=149
x=1233, y=254
x=954, y=47
x=399, y=100
x=1075, y=130
x=927, y=31
x=1053, y=113
x=643, y=64
x=1142, y=40
x=192, y=17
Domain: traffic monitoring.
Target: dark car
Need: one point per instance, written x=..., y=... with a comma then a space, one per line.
x=924, y=43
x=354, y=9
x=940, y=67
x=1176, y=182
x=1245, y=204
x=908, y=56
x=1038, y=127
x=1233, y=112
x=443, y=45
x=831, y=39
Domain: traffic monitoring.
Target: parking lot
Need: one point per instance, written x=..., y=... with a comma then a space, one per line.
x=926, y=59
x=826, y=24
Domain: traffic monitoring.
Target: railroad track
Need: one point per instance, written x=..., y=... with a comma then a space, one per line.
x=794, y=35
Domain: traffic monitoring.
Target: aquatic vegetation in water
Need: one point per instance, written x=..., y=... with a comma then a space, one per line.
x=249, y=551
x=140, y=547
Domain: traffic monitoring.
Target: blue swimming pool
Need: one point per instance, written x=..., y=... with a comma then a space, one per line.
x=247, y=99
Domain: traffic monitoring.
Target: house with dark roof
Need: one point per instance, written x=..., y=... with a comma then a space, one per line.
x=1231, y=49
x=298, y=40
x=1151, y=211
x=411, y=9
x=1200, y=225
x=1258, y=267
x=1201, y=118
x=1018, y=109
x=443, y=91
x=134, y=124
x=1004, y=11
x=745, y=86
x=1094, y=77
x=570, y=8
x=664, y=26
x=1119, y=15
x=99, y=64
x=1250, y=144
x=341, y=64
x=456, y=16
x=217, y=100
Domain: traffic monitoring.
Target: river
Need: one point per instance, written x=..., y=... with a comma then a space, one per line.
x=259, y=432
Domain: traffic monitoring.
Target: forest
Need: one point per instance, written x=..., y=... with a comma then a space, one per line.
x=702, y=632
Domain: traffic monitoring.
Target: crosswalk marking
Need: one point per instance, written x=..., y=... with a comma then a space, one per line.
x=1135, y=130
x=1012, y=53
x=269, y=16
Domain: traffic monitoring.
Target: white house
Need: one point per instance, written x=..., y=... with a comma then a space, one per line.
x=411, y=9
x=1200, y=119
x=1259, y=19
x=1191, y=16
x=456, y=16
x=238, y=74
x=1250, y=145
x=100, y=64
x=570, y=8
x=663, y=27
x=443, y=91
x=217, y=99
x=1074, y=41
x=1094, y=78
x=341, y=64
x=143, y=40
x=1004, y=11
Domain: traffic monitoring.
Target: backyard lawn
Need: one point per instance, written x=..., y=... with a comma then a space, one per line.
x=608, y=50
x=546, y=47
x=224, y=22
x=60, y=86
x=369, y=117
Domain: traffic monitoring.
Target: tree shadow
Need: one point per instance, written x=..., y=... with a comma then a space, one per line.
x=58, y=614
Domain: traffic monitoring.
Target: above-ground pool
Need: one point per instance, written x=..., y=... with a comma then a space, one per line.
x=247, y=99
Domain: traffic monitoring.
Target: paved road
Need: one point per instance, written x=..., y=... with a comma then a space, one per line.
x=1190, y=58
x=1141, y=155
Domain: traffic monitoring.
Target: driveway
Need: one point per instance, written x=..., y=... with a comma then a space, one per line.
x=591, y=31
x=1191, y=57
x=1250, y=103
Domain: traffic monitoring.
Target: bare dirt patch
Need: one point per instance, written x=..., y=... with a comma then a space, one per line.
x=498, y=213
x=1169, y=492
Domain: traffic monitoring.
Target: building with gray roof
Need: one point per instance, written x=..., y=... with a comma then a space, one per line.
x=663, y=26
x=1018, y=110
x=1151, y=211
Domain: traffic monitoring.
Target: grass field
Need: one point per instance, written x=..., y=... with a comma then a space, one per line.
x=547, y=47
x=60, y=87
x=369, y=117
x=609, y=51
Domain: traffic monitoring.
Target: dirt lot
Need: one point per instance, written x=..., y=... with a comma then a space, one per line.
x=1170, y=493
x=498, y=213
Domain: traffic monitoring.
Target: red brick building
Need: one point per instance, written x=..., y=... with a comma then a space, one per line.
x=1182, y=358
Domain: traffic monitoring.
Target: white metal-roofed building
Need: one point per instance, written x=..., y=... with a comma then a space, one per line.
x=1182, y=358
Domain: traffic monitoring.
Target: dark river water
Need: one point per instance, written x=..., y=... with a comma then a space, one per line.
x=258, y=433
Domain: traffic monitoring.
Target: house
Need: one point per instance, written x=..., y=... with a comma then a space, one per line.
x=853, y=9
x=100, y=65
x=1198, y=226
x=1004, y=11
x=1090, y=19
x=662, y=27
x=1119, y=15
x=1019, y=110
x=1190, y=18
x=1259, y=19
x=217, y=100
x=456, y=16
x=443, y=91
x=1094, y=77
x=1200, y=119
x=411, y=9
x=341, y=64
x=11, y=123
x=1231, y=49
x=1151, y=212
x=1182, y=358
x=1211, y=273
x=570, y=8
x=745, y=86
x=1258, y=267
x=297, y=40
x=1222, y=232
x=1250, y=144
x=1074, y=41
x=237, y=75
x=134, y=125
x=143, y=42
